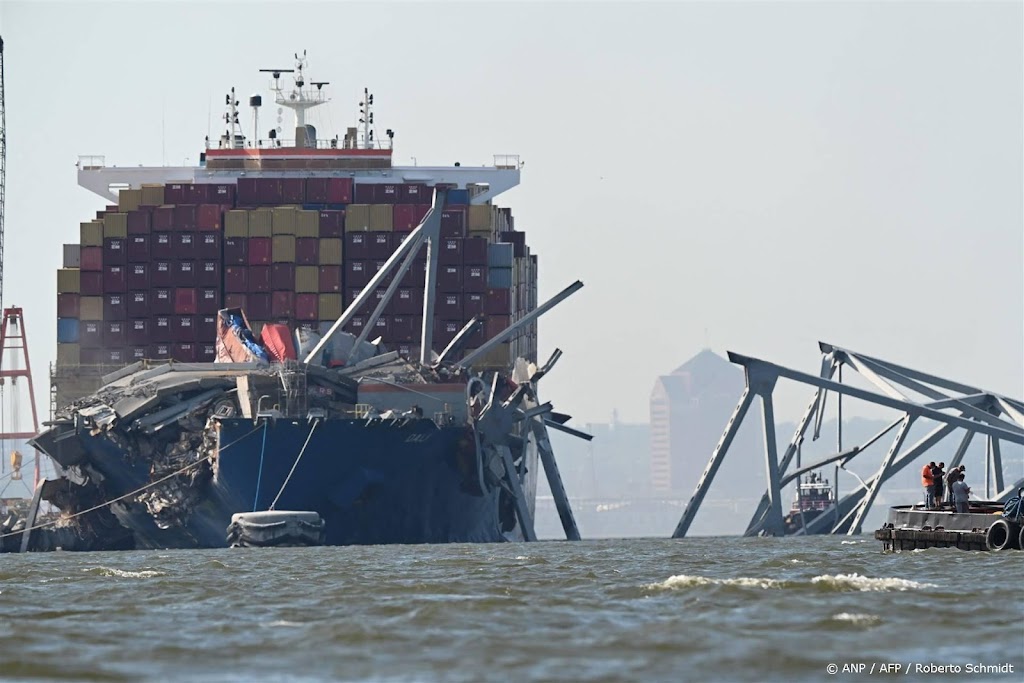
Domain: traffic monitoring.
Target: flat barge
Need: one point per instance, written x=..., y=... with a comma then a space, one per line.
x=984, y=527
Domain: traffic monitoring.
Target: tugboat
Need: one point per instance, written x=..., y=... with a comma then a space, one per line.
x=814, y=495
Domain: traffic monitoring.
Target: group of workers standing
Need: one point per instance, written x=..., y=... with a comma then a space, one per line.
x=939, y=484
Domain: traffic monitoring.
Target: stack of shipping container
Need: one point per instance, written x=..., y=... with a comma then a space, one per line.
x=149, y=274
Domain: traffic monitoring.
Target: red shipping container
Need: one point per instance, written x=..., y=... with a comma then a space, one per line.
x=197, y=193
x=448, y=305
x=307, y=251
x=236, y=300
x=277, y=339
x=357, y=246
x=316, y=190
x=113, y=333
x=330, y=279
x=136, y=353
x=140, y=222
x=268, y=190
x=450, y=253
x=357, y=273
x=209, y=300
x=186, y=301
x=260, y=251
x=306, y=306
x=236, y=251
x=498, y=302
x=259, y=307
x=407, y=301
x=415, y=193
x=68, y=305
x=293, y=191
x=332, y=223
x=184, y=274
x=183, y=328
x=160, y=328
x=380, y=245
x=386, y=193
x=207, y=353
x=163, y=218
x=185, y=217
x=339, y=190
x=161, y=300
x=114, y=279
x=161, y=246
x=90, y=334
x=282, y=304
x=184, y=352
x=138, y=304
x=138, y=249
x=282, y=277
x=259, y=279
x=138, y=275
x=91, y=283
x=472, y=304
x=474, y=278
x=364, y=193
x=206, y=327
x=138, y=331
x=115, y=306
x=449, y=278
x=208, y=274
x=208, y=217
x=403, y=217
x=92, y=259
x=236, y=279
x=184, y=246
x=209, y=246
x=222, y=194
x=160, y=351
x=175, y=193
x=474, y=251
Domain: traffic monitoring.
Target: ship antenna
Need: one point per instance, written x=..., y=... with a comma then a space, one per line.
x=233, y=138
x=366, y=118
x=298, y=99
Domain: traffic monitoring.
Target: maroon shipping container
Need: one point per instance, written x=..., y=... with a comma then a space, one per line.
x=138, y=275
x=209, y=300
x=282, y=304
x=184, y=274
x=114, y=356
x=136, y=353
x=453, y=223
x=93, y=355
x=197, y=193
x=209, y=246
x=364, y=193
x=282, y=277
x=400, y=328
x=472, y=304
x=222, y=194
x=92, y=259
x=208, y=217
x=91, y=283
x=186, y=301
x=448, y=305
x=449, y=278
x=113, y=333
x=380, y=245
x=184, y=352
x=259, y=279
x=268, y=191
x=403, y=217
x=247, y=192
x=161, y=245
x=416, y=275
x=445, y=330
x=357, y=273
x=183, y=328
x=184, y=245
x=138, y=249
x=386, y=193
x=163, y=218
x=450, y=253
x=161, y=300
x=115, y=306
x=138, y=331
x=185, y=217
x=69, y=305
x=161, y=274
x=140, y=222
x=260, y=249
x=259, y=306
x=176, y=193
x=414, y=193
x=330, y=279
x=236, y=300
x=474, y=251
x=114, y=279
x=316, y=190
x=332, y=223
x=355, y=325
x=407, y=301
x=293, y=190
x=138, y=304
x=474, y=278
x=307, y=251
x=339, y=190
x=236, y=251
x=306, y=306
x=357, y=246
x=381, y=327
x=160, y=328
x=90, y=334
x=208, y=274
x=206, y=327
x=495, y=324
x=236, y=280
x=160, y=351
x=498, y=302
x=115, y=251
x=515, y=238
x=207, y=352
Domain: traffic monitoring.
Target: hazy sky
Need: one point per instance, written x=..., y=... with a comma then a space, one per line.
x=746, y=176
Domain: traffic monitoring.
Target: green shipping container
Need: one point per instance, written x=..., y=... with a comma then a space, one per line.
x=381, y=218
x=307, y=280
x=152, y=195
x=115, y=224
x=330, y=306
x=283, y=249
x=236, y=224
x=69, y=354
x=330, y=251
x=68, y=281
x=357, y=217
x=261, y=223
x=128, y=200
x=307, y=224
x=90, y=308
x=479, y=217
x=91, y=234
x=283, y=220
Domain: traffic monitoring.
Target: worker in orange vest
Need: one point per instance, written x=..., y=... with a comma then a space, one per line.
x=928, y=481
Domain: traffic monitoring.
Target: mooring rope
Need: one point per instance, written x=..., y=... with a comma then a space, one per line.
x=132, y=493
x=289, y=477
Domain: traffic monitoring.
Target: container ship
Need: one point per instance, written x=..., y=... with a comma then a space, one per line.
x=297, y=324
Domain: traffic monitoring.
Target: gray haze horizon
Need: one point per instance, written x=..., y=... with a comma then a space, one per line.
x=742, y=176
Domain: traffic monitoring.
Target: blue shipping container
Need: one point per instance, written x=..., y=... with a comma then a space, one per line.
x=458, y=197
x=67, y=330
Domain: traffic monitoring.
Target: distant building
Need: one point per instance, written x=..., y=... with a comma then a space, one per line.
x=613, y=465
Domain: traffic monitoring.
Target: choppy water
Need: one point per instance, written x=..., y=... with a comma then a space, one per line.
x=627, y=610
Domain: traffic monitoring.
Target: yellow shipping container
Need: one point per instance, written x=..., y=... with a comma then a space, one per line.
x=91, y=234
x=283, y=249
x=261, y=223
x=69, y=354
x=152, y=195
x=357, y=217
x=284, y=220
x=115, y=225
x=479, y=217
x=69, y=281
x=307, y=224
x=330, y=251
x=381, y=217
x=236, y=224
x=330, y=306
x=129, y=200
x=307, y=280
x=91, y=308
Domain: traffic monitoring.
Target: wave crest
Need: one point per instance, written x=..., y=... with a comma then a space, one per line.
x=123, y=573
x=688, y=581
x=846, y=582
x=856, y=618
